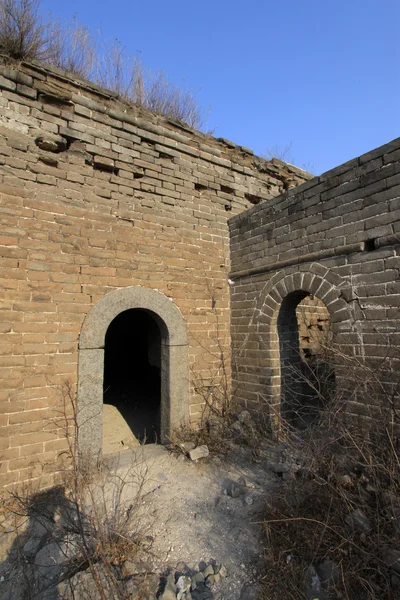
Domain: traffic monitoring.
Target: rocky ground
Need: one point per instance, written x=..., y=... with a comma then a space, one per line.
x=200, y=520
x=186, y=523
x=210, y=511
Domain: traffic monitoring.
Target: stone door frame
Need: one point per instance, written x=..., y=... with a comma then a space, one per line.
x=174, y=364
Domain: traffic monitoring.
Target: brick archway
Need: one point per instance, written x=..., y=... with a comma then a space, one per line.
x=314, y=280
x=174, y=363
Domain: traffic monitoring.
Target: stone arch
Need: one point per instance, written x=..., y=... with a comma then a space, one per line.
x=174, y=363
x=299, y=281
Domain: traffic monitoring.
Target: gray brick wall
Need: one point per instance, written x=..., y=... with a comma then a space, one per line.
x=336, y=237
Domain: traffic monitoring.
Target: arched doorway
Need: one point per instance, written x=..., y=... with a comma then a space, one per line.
x=151, y=312
x=132, y=381
x=280, y=298
x=307, y=372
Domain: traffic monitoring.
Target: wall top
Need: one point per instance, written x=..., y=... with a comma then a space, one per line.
x=38, y=81
x=361, y=167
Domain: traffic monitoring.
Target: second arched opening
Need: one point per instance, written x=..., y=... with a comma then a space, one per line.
x=307, y=373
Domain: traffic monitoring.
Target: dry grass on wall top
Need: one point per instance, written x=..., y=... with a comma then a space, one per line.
x=78, y=50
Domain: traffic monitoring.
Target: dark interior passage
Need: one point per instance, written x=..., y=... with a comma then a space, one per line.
x=307, y=378
x=132, y=366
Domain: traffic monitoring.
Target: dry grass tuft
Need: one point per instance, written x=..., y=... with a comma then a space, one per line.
x=340, y=511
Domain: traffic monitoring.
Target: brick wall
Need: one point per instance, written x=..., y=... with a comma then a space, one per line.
x=335, y=238
x=96, y=195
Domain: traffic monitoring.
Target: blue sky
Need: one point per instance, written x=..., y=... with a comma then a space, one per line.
x=321, y=75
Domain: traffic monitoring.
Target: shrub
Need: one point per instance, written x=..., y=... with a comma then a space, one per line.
x=25, y=35
x=333, y=527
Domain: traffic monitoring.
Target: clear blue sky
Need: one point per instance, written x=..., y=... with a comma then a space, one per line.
x=323, y=75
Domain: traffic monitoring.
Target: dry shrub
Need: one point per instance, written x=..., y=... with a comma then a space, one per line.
x=92, y=522
x=22, y=32
x=342, y=502
x=74, y=48
x=93, y=527
x=125, y=74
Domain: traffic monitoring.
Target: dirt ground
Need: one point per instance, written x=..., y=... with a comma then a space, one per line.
x=117, y=435
x=191, y=512
x=191, y=517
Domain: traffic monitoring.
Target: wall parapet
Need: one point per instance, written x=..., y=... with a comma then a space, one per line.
x=343, y=228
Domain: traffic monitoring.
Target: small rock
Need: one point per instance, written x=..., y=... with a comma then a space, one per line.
x=187, y=446
x=344, y=480
x=223, y=572
x=169, y=592
x=248, y=500
x=217, y=567
x=234, y=490
x=248, y=592
x=278, y=468
x=329, y=575
x=236, y=426
x=203, y=594
x=199, y=452
x=128, y=568
x=359, y=521
x=391, y=558
x=33, y=546
x=209, y=570
x=244, y=416
x=182, y=586
x=371, y=489
x=395, y=582
x=210, y=581
x=198, y=578
x=181, y=567
x=313, y=588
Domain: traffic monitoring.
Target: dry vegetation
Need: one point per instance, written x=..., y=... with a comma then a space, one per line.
x=333, y=530
x=25, y=35
x=332, y=526
x=88, y=528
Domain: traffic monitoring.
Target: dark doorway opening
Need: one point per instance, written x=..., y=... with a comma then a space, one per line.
x=132, y=381
x=307, y=372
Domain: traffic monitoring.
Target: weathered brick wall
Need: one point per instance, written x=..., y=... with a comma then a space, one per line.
x=337, y=238
x=97, y=195
x=313, y=323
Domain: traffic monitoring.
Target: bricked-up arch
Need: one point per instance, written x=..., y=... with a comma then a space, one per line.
x=280, y=297
x=174, y=363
